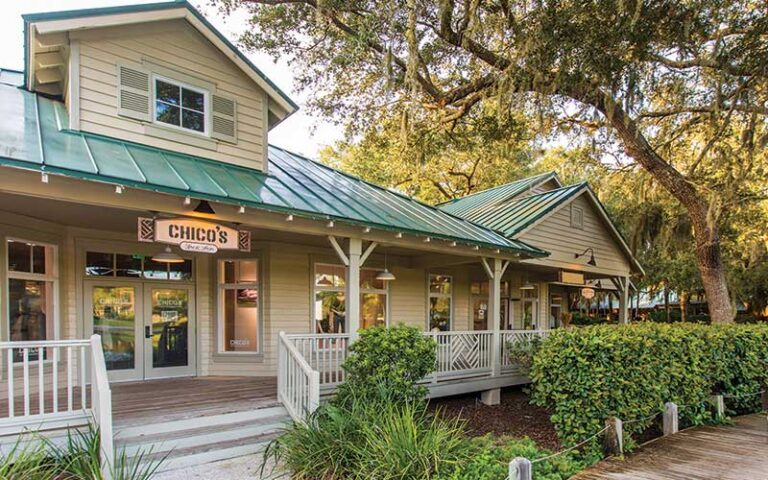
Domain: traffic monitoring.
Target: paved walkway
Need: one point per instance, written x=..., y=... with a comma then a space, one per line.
x=241, y=468
x=727, y=452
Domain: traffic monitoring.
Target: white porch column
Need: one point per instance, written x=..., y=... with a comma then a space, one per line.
x=623, y=284
x=494, y=268
x=353, y=287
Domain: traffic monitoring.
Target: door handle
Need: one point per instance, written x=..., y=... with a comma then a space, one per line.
x=147, y=332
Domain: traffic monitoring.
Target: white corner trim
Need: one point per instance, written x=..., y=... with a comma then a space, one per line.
x=73, y=93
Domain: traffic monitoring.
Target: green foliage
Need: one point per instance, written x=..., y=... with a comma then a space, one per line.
x=582, y=319
x=522, y=351
x=26, y=461
x=388, y=362
x=586, y=375
x=492, y=456
x=364, y=439
x=36, y=457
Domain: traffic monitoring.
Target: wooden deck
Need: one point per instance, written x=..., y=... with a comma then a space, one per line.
x=181, y=398
x=164, y=399
x=728, y=452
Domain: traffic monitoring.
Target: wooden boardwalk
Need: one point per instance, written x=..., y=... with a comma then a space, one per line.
x=727, y=452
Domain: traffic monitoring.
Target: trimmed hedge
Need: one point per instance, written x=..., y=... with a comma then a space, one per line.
x=588, y=374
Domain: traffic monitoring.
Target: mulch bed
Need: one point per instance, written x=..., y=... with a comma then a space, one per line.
x=515, y=416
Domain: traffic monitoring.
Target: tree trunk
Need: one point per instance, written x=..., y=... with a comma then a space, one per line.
x=706, y=232
x=666, y=304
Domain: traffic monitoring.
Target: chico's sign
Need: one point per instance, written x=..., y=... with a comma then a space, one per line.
x=193, y=235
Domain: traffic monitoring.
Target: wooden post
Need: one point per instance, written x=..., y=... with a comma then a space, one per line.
x=520, y=468
x=719, y=404
x=613, y=441
x=670, y=418
x=764, y=398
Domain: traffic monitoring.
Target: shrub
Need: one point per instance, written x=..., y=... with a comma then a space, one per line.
x=361, y=439
x=491, y=461
x=391, y=360
x=582, y=319
x=522, y=351
x=586, y=375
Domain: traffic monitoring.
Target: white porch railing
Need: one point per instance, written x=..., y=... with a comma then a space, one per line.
x=324, y=352
x=460, y=355
x=298, y=384
x=46, y=388
x=511, y=336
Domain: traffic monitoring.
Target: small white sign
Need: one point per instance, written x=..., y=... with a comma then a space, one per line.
x=588, y=293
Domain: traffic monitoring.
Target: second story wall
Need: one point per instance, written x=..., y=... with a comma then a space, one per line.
x=175, y=53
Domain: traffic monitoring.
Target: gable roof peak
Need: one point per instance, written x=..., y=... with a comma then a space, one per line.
x=60, y=22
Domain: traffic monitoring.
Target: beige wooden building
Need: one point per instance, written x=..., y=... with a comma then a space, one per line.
x=140, y=202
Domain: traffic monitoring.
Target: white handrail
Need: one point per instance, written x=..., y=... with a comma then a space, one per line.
x=101, y=403
x=298, y=384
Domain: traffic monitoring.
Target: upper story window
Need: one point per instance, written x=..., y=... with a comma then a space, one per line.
x=180, y=105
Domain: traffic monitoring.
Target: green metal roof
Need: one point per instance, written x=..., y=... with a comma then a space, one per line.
x=476, y=202
x=148, y=7
x=511, y=218
x=34, y=135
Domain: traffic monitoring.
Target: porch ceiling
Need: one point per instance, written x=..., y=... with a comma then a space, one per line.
x=34, y=135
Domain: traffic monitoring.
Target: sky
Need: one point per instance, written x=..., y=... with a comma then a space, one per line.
x=300, y=133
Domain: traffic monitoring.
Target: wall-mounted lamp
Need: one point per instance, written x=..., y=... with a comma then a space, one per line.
x=591, y=256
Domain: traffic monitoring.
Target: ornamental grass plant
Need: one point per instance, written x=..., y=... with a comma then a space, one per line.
x=75, y=457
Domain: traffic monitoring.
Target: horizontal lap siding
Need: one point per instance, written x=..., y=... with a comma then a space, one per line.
x=176, y=46
x=556, y=236
x=408, y=297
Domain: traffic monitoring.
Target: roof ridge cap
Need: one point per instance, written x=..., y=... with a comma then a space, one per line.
x=453, y=200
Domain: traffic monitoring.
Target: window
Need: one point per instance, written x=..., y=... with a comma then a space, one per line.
x=180, y=105
x=555, y=311
x=31, y=292
x=330, y=301
x=530, y=304
x=440, y=302
x=480, y=297
x=239, y=306
x=100, y=264
x=577, y=217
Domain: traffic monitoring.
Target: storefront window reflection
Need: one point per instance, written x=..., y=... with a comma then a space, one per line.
x=31, y=288
x=239, y=294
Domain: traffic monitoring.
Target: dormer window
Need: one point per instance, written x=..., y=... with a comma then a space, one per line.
x=180, y=105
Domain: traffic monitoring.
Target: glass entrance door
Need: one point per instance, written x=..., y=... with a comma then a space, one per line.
x=147, y=329
x=116, y=315
x=168, y=331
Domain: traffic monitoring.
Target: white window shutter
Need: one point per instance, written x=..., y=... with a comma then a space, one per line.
x=134, y=93
x=223, y=118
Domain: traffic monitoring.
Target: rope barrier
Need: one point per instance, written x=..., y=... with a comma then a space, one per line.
x=537, y=460
x=743, y=395
x=643, y=419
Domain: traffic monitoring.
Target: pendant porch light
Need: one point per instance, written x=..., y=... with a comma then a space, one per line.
x=386, y=275
x=167, y=256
